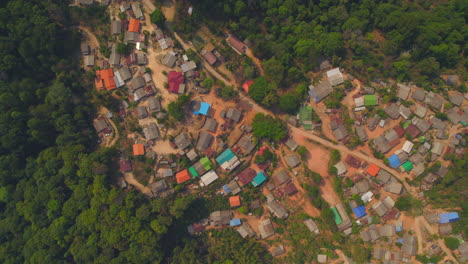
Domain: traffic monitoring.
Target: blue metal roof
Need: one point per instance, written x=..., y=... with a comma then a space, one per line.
x=235, y=222
x=226, y=189
x=204, y=108
x=394, y=161
x=360, y=211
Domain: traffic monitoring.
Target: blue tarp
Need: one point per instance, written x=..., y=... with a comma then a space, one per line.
x=360, y=211
x=226, y=189
x=235, y=222
x=400, y=240
x=399, y=228
x=444, y=218
x=204, y=108
x=453, y=217
x=394, y=161
x=448, y=217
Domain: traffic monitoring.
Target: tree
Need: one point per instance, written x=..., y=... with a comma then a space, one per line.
x=451, y=243
x=157, y=17
x=274, y=70
x=267, y=127
x=302, y=151
x=207, y=83
x=122, y=48
x=259, y=89
x=228, y=92
x=289, y=103
x=177, y=108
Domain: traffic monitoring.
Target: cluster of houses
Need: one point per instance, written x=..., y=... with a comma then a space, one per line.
x=418, y=138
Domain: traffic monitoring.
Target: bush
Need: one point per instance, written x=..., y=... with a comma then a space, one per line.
x=157, y=18
x=451, y=243
x=268, y=127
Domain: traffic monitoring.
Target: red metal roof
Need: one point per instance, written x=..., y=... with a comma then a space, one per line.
x=246, y=176
x=353, y=162
x=290, y=189
x=125, y=166
x=175, y=79
x=399, y=130
x=412, y=130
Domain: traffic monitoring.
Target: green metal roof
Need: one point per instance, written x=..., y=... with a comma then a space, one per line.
x=259, y=179
x=406, y=124
x=305, y=117
x=407, y=166
x=337, y=216
x=193, y=172
x=225, y=156
x=370, y=99
x=206, y=163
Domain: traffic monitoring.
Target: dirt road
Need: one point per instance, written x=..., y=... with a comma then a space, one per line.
x=418, y=232
x=255, y=60
x=344, y=150
x=441, y=242
x=92, y=40
x=294, y=130
x=131, y=180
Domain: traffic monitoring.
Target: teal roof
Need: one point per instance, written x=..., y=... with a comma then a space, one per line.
x=259, y=179
x=225, y=156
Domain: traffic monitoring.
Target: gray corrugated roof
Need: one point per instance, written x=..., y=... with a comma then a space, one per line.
x=320, y=91
x=182, y=141
x=151, y=131
x=116, y=27
x=138, y=82
x=211, y=124
x=125, y=73
x=204, y=140
x=114, y=59
x=169, y=60
x=154, y=104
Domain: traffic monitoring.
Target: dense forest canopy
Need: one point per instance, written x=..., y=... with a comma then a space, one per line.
x=58, y=203
x=407, y=40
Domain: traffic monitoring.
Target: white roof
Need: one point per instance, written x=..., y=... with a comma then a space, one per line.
x=118, y=79
x=408, y=146
x=138, y=45
x=367, y=197
x=231, y=164
x=359, y=101
x=208, y=178
x=185, y=57
x=382, y=123
x=335, y=77
x=341, y=168
x=357, y=109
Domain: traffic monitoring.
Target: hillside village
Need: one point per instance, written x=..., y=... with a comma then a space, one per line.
x=390, y=141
